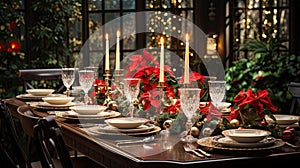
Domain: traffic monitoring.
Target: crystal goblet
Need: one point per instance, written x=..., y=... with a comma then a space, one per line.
x=68, y=77
x=131, y=88
x=189, y=103
x=216, y=91
x=86, y=80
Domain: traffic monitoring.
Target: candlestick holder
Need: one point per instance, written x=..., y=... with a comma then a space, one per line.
x=117, y=77
x=186, y=85
x=107, y=87
x=161, y=86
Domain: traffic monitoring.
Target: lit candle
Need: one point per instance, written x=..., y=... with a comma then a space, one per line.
x=107, y=53
x=118, y=51
x=161, y=71
x=186, y=61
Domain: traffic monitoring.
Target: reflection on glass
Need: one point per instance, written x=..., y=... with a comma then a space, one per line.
x=111, y=16
x=112, y=4
x=128, y=4
x=95, y=21
x=95, y=5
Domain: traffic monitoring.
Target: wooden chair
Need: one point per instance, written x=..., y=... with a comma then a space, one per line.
x=28, y=120
x=14, y=155
x=49, y=133
x=294, y=89
x=28, y=75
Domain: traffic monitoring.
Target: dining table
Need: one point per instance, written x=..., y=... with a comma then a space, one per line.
x=163, y=150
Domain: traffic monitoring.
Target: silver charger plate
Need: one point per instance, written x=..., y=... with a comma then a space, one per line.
x=142, y=128
x=208, y=143
x=227, y=142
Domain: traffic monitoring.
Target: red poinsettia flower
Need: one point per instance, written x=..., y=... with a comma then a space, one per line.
x=99, y=82
x=13, y=46
x=2, y=47
x=259, y=101
x=194, y=76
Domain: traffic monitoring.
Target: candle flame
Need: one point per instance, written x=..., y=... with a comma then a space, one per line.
x=118, y=33
x=106, y=36
x=187, y=37
x=161, y=40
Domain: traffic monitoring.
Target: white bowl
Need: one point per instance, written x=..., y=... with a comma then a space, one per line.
x=283, y=119
x=246, y=135
x=40, y=92
x=126, y=122
x=88, y=109
x=60, y=100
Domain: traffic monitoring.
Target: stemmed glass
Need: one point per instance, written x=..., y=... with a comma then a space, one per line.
x=95, y=69
x=189, y=103
x=68, y=77
x=131, y=91
x=86, y=80
x=216, y=91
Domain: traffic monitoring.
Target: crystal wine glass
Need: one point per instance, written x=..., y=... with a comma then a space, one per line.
x=189, y=102
x=216, y=91
x=96, y=73
x=131, y=91
x=68, y=77
x=93, y=68
x=86, y=80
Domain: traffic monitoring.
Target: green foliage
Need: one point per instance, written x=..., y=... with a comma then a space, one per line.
x=11, y=47
x=265, y=69
x=48, y=32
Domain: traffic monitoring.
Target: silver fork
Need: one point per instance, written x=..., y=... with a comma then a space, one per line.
x=189, y=149
x=200, y=150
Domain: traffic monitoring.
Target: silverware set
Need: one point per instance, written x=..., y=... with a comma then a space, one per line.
x=197, y=151
x=137, y=141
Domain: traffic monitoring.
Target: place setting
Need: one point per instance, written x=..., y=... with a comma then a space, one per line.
x=87, y=112
x=54, y=103
x=243, y=140
x=37, y=94
x=284, y=120
x=128, y=126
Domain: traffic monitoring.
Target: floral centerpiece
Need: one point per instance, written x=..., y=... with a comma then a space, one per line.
x=153, y=103
x=250, y=108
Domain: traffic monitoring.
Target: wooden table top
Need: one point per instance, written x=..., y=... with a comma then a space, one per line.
x=169, y=153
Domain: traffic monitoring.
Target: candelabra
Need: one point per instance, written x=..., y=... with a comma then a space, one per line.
x=117, y=78
x=107, y=87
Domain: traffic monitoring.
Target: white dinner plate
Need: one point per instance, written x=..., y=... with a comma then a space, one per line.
x=246, y=135
x=283, y=119
x=40, y=92
x=62, y=100
x=88, y=109
x=74, y=115
x=142, y=128
x=126, y=122
x=226, y=141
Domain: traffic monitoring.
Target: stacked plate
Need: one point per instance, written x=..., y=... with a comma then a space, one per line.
x=59, y=100
x=40, y=92
x=242, y=140
x=87, y=112
x=283, y=119
x=126, y=125
x=36, y=94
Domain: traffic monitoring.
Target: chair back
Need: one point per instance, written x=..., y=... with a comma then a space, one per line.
x=28, y=75
x=14, y=154
x=48, y=132
x=294, y=89
x=28, y=119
